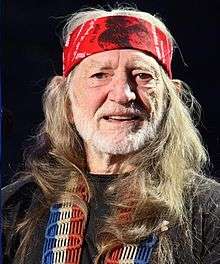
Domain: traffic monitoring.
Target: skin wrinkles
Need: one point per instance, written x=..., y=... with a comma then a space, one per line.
x=117, y=105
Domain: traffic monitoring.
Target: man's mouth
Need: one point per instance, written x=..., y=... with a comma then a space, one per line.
x=122, y=118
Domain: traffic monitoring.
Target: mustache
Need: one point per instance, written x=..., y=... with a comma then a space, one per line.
x=131, y=109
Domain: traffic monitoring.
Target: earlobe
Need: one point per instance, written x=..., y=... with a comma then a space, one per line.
x=178, y=85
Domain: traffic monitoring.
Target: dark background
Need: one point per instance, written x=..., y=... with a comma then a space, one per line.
x=31, y=53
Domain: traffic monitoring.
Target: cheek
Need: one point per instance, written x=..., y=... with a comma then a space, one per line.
x=87, y=99
x=151, y=95
x=87, y=103
x=148, y=98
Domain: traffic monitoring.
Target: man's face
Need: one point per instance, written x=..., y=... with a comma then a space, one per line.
x=117, y=100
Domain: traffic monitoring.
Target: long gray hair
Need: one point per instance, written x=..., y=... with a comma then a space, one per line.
x=166, y=169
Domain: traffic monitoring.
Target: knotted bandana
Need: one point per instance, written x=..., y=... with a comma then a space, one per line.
x=117, y=32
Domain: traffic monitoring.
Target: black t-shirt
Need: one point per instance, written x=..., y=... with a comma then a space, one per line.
x=97, y=212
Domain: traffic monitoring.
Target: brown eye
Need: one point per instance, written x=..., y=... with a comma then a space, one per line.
x=100, y=75
x=143, y=77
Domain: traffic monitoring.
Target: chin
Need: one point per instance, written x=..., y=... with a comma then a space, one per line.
x=122, y=145
x=119, y=142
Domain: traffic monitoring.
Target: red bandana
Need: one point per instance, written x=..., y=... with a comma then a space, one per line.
x=116, y=32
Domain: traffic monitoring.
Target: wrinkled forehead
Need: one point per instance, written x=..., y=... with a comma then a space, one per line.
x=126, y=58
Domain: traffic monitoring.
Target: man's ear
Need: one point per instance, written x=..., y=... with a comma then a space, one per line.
x=178, y=85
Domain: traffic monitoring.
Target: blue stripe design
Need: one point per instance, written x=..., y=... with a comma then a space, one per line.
x=145, y=250
x=51, y=231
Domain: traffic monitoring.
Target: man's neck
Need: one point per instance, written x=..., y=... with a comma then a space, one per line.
x=104, y=163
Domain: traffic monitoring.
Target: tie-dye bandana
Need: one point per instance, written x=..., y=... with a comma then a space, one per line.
x=117, y=32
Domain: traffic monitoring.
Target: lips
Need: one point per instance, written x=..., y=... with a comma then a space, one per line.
x=121, y=117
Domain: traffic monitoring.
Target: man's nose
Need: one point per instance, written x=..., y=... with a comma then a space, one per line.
x=122, y=92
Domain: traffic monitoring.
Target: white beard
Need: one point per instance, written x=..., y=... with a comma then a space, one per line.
x=110, y=144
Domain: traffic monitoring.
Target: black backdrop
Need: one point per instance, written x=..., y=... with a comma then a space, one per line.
x=31, y=54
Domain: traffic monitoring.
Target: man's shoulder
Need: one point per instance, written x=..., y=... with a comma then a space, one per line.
x=207, y=190
x=206, y=220
x=206, y=199
x=18, y=198
x=18, y=191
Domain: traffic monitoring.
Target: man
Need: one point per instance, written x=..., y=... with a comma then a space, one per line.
x=116, y=173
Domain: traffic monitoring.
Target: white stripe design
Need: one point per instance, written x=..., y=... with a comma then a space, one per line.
x=65, y=227
x=162, y=51
x=76, y=54
x=156, y=44
x=61, y=239
x=128, y=254
x=169, y=49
